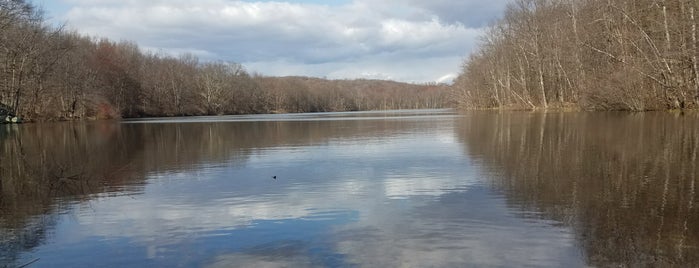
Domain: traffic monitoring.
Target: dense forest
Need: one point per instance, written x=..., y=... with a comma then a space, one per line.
x=591, y=54
x=48, y=73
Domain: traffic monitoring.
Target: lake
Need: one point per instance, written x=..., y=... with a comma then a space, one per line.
x=367, y=189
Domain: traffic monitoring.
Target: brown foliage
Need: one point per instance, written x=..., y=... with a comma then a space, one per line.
x=304, y=94
x=593, y=54
x=49, y=74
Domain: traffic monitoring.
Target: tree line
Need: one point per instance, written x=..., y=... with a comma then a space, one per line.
x=591, y=54
x=48, y=73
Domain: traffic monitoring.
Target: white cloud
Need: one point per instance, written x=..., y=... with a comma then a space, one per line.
x=376, y=67
x=470, y=13
x=402, y=40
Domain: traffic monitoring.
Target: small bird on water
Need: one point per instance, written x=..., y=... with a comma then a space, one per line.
x=274, y=177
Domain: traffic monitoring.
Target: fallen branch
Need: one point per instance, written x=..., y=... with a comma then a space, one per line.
x=30, y=263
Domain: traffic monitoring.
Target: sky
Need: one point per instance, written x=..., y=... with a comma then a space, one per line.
x=413, y=41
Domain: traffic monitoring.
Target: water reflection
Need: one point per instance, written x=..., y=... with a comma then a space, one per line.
x=427, y=188
x=147, y=193
x=625, y=183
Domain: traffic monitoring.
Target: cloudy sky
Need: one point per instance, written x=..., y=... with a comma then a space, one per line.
x=404, y=40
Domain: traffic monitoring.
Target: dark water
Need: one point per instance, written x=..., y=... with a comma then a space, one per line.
x=387, y=189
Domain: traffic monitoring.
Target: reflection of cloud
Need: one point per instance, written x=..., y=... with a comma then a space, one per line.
x=155, y=217
x=402, y=188
x=283, y=254
x=387, y=251
x=309, y=182
x=383, y=181
x=462, y=228
x=150, y=218
x=244, y=260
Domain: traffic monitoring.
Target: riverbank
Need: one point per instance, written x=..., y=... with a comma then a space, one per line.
x=598, y=54
x=513, y=108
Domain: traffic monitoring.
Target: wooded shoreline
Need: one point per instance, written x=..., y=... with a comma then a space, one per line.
x=49, y=74
x=589, y=54
x=542, y=54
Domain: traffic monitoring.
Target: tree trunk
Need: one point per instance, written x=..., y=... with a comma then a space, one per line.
x=667, y=30
x=578, y=47
x=694, y=56
x=540, y=66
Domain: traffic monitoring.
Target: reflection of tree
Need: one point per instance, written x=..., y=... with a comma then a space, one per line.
x=42, y=163
x=625, y=183
x=45, y=167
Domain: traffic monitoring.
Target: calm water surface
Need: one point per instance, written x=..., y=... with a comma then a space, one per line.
x=371, y=189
